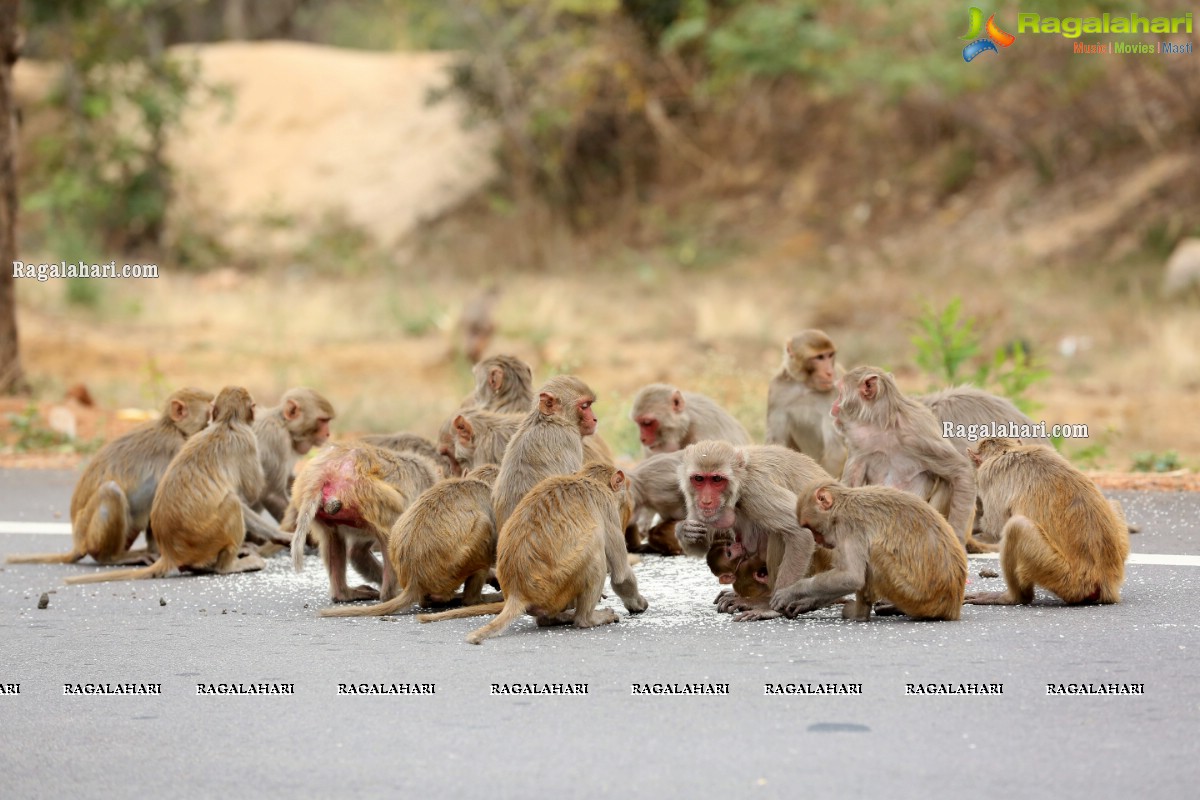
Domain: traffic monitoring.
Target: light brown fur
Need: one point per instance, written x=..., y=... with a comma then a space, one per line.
x=1058, y=531
x=654, y=486
x=350, y=496
x=549, y=441
x=404, y=442
x=503, y=384
x=669, y=419
x=751, y=491
x=893, y=440
x=554, y=552
x=111, y=502
x=888, y=545
x=799, y=399
x=447, y=536
x=197, y=514
x=482, y=436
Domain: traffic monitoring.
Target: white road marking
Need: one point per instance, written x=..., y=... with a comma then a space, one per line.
x=1134, y=558
x=64, y=528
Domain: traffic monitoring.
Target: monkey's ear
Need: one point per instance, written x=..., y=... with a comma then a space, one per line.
x=677, y=401
x=869, y=388
x=495, y=378
x=464, y=429
x=787, y=348
x=291, y=410
x=725, y=577
x=547, y=403
x=618, y=478
x=761, y=575
x=178, y=411
x=824, y=498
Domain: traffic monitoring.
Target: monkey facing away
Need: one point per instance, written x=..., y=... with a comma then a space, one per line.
x=447, y=536
x=503, y=384
x=669, y=419
x=1058, y=531
x=800, y=397
x=554, y=552
x=889, y=545
x=197, y=513
x=966, y=405
x=893, y=440
x=350, y=496
x=654, y=487
x=549, y=441
x=111, y=503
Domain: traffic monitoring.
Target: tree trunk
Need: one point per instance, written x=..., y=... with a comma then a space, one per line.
x=11, y=376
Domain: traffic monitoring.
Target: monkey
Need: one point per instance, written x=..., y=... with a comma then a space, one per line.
x=752, y=580
x=1058, y=531
x=553, y=554
x=723, y=559
x=750, y=490
x=404, y=442
x=447, y=536
x=503, y=384
x=800, y=397
x=299, y=423
x=889, y=545
x=893, y=440
x=549, y=441
x=449, y=464
x=966, y=405
x=669, y=419
x=350, y=496
x=111, y=503
x=654, y=486
x=477, y=323
x=482, y=436
x=197, y=512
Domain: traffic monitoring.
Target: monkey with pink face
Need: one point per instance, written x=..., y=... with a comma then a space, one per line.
x=747, y=496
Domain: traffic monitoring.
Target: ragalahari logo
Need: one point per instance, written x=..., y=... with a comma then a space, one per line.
x=994, y=36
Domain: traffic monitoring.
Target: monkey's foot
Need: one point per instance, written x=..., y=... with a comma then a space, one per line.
x=357, y=593
x=885, y=608
x=991, y=599
x=561, y=618
x=756, y=614
x=635, y=605
x=600, y=616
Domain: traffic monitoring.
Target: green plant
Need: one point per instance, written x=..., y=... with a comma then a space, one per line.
x=34, y=436
x=947, y=344
x=1156, y=462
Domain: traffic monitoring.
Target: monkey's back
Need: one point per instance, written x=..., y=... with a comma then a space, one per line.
x=451, y=527
x=917, y=561
x=1064, y=503
x=552, y=546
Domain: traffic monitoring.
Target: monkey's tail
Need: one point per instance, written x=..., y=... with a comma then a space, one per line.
x=45, y=558
x=513, y=608
x=158, y=569
x=404, y=600
x=304, y=519
x=464, y=612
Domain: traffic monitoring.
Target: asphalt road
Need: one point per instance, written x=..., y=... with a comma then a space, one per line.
x=465, y=741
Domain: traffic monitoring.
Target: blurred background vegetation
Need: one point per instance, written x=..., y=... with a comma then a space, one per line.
x=831, y=152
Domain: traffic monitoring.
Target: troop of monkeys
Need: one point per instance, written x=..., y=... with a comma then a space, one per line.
x=855, y=499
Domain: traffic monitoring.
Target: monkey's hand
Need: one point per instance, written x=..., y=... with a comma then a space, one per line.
x=790, y=604
x=637, y=605
x=723, y=536
x=756, y=614
x=692, y=532
x=731, y=602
